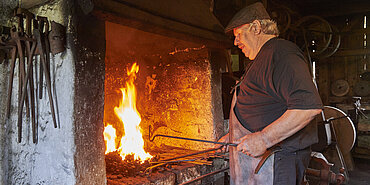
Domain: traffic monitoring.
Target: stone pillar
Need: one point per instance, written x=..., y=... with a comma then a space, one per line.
x=89, y=51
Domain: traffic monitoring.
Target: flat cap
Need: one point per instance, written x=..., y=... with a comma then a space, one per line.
x=247, y=15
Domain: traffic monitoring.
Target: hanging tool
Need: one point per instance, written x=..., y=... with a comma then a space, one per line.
x=16, y=37
x=10, y=85
x=22, y=44
x=57, y=38
x=37, y=35
x=43, y=24
x=30, y=50
x=27, y=78
x=9, y=44
x=19, y=37
x=25, y=96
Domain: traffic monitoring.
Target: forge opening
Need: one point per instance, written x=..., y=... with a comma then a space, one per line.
x=173, y=86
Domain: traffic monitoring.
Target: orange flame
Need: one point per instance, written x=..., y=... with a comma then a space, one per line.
x=109, y=137
x=132, y=142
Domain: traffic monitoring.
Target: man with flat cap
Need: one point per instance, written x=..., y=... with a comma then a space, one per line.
x=273, y=106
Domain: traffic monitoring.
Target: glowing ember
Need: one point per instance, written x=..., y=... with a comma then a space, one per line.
x=132, y=142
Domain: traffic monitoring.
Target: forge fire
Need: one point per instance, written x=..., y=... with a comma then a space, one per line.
x=126, y=157
x=132, y=142
x=164, y=86
x=173, y=86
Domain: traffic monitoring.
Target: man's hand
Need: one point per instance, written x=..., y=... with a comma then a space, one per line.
x=253, y=144
x=223, y=139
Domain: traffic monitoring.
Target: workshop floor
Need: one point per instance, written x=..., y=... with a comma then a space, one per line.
x=361, y=174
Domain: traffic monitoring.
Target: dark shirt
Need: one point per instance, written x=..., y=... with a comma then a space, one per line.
x=278, y=80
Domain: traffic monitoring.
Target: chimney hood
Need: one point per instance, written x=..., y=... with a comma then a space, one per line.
x=189, y=20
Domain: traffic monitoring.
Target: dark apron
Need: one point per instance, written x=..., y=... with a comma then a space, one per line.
x=242, y=166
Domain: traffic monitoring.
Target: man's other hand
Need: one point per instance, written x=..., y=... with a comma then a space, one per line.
x=223, y=139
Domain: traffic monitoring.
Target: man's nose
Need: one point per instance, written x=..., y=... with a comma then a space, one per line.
x=236, y=41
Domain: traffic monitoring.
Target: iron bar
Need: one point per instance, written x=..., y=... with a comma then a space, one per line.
x=190, y=139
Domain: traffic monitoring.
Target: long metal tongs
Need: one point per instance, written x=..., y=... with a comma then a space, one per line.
x=37, y=34
x=264, y=157
x=151, y=139
x=177, y=159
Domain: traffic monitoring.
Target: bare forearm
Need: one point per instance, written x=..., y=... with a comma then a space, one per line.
x=288, y=124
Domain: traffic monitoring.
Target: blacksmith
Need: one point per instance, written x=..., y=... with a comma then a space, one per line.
x=273, y=106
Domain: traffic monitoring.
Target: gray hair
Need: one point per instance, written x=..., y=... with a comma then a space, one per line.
x=269, y=27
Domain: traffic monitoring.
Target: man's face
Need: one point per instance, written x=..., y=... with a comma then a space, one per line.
x=244, y=39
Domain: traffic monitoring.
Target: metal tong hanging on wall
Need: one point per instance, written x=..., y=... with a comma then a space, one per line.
x=44, y=51
x=28, y=76
x=24, y=42
x=23, y=46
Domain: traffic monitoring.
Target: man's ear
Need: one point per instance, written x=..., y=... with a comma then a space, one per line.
x=256, y=28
